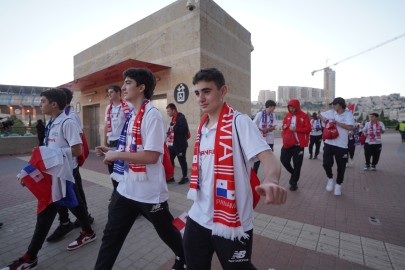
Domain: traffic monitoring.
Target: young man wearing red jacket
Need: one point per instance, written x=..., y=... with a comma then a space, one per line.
x=295, y=134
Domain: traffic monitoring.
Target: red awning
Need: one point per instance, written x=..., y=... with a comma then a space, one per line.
x=109, y=75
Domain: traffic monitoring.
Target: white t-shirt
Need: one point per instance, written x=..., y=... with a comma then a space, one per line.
x=72, y=114
x=64, y=133
x=258, y=121
x=117, y=116
x=154, y=189
x=252, y=142
x=346, y=118
x=366, y=131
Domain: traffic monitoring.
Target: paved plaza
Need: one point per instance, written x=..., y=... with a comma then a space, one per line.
x=362, y=229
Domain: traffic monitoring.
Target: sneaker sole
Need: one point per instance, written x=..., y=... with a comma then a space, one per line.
x=89, y=241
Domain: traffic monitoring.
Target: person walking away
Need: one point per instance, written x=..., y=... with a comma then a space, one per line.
x=65, y=225
x=61, y=133
x=295, y=135
x=401, y=129
x=40, y=132
x=116, y=114
x=337, y=148
x=221, y=217
x=177, y=136
x=373, y=145
x=351, y=147
x=315, y=137
x=266, y=121
x=142, y=188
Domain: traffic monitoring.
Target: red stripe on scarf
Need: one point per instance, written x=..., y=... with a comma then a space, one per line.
x=170, y=140
x=373, y=135
x=125, y=109
x=137, y=138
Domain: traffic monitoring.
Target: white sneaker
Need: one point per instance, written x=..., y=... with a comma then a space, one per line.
x=351, y=162
x=338, y=190
x=329, y=186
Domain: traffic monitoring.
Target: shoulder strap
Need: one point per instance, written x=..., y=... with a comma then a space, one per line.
x=240, y=146
x=62, y=129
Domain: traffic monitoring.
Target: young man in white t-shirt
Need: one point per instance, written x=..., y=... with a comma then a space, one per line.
x=138, y=167
x=337, y=148
x=116, y=113
x=65, y=225
x=373, y=145
x=227, y=143
x=266, y=121
x=61, y=132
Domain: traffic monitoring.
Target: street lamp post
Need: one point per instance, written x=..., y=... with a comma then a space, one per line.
x=29, y=118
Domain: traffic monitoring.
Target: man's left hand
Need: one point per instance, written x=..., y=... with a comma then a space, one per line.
x=273, y=193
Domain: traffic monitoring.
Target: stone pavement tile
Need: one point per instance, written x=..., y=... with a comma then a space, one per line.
x=350, y=255
x=397, y=256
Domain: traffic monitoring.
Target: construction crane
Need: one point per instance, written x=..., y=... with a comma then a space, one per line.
x=360, y=53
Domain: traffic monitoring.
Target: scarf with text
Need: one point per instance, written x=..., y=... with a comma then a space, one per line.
x=226, y=219
x=264, y=122
x=170, y=132
x=374, y=135
x=125, y=109
x=135, y=145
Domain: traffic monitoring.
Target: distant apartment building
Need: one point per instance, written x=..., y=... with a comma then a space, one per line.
x=265, y=95
x=309, y=94
x=329, y=79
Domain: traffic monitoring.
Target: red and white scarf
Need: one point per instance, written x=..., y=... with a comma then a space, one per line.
x=374, y=135
x=135, y=146
x=126, y=109
x=170, y=139
x=226, y=219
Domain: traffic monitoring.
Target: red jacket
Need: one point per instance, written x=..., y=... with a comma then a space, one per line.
x=303, y=126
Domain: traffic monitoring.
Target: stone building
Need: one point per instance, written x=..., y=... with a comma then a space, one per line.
x=174, y=43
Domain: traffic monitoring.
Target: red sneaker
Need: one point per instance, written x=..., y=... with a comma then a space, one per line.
x=84, y=238
x=22, y=264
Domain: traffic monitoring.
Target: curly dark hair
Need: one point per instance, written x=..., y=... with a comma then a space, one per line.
x=142, y=76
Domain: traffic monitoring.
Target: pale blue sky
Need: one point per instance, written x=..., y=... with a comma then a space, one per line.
x=291, y=38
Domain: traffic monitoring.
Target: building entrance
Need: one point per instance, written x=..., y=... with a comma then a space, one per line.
x=91, y=123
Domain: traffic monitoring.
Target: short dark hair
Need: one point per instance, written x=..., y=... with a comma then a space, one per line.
x=171, y=106
x=270, y=103
x=55, y=95
x=375, y=114
x=142, y=76
x=68, y=93
x=210, y=75
x=114, y=87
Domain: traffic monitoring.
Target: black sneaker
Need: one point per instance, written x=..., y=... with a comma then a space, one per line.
x=77, y=222
x=293, y=187
x=179, y=264
x=316, y=157
x=310, y=156
x=183, y=180
x=171, y=180
x=22, y=263
x=60, y=232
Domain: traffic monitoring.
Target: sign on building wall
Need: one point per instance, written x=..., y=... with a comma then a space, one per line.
x=181, y=93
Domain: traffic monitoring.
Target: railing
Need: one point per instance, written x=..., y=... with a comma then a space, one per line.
x=18, y=131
